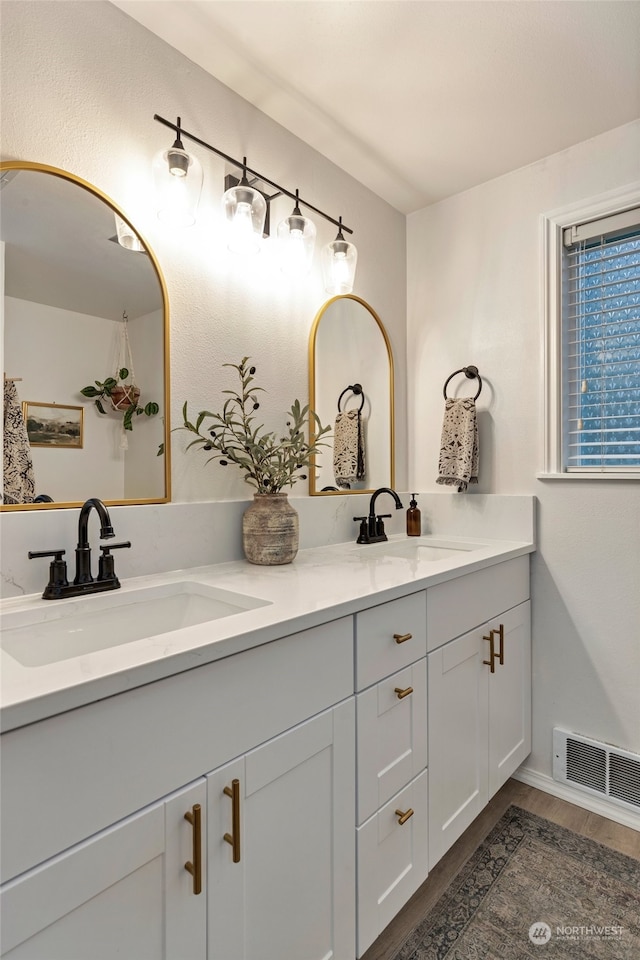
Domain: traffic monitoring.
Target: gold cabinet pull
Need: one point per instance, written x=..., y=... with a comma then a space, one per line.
x=500, y=653
x=402, y=637
x=194, y=867
x=234, y=837
x=403, y=815
x=492, y=653
x=402, y=693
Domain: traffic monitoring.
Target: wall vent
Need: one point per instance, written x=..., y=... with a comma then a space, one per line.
x=597, y=767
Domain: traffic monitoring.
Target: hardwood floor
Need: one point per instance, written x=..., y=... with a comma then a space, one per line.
x=604, y=831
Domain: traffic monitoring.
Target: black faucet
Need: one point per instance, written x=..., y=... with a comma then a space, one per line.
x=58, y=586
x=83, y=550
x=372, y=527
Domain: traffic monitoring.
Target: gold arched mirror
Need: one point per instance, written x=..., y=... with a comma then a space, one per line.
x=351, y=388
x=79, y=307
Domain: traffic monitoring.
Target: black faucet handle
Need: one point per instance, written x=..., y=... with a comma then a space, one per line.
x=384, y=516
x=57, y=572
x=106, y=567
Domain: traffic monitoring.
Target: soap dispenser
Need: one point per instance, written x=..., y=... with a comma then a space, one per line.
x=414, y=524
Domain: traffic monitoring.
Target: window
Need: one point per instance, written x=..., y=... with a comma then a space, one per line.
x=593, y=343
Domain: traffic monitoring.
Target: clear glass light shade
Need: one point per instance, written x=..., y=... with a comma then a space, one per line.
x=245, y=210
x=127, y=237
x=177, y=177
x=296, y=242
x=339, y=260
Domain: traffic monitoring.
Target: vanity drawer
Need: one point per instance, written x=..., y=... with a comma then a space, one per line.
x=392, y=859
x=390, y=636
x=459, y=605
x=392, y=736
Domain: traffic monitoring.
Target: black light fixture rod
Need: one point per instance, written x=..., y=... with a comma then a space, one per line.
x=238, y=163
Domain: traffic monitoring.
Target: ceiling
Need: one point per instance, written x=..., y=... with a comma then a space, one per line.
x=418, y=99
x=59, y=251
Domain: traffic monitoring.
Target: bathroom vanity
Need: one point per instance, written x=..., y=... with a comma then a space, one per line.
x=272, y=784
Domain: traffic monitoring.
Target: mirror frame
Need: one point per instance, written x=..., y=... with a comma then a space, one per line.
x=312, y=396
x=90, y=188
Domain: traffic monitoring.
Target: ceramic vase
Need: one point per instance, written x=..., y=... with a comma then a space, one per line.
x=270, y=530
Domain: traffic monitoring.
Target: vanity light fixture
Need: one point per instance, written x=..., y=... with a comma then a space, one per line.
x=296, y=240
x=339, y=260
x=177, y=178
x=246, y=207
x=127, y=237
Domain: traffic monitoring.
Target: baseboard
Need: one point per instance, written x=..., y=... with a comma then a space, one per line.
x=563, y=791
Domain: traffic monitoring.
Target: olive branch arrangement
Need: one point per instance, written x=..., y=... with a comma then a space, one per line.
x=269, y=462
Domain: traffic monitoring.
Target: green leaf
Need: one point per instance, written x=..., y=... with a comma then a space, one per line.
x=151, y=408
x=101, y=409
x=123, y=373
x=160, y=452
x=90, y=392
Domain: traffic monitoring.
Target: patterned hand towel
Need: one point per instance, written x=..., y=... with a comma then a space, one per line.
x=348, y=449
x=17, y=470
x=458, y=464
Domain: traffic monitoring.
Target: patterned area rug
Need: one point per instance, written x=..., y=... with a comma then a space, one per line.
x=534, y=890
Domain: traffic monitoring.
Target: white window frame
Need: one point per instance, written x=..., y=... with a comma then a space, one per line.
x=551, y=227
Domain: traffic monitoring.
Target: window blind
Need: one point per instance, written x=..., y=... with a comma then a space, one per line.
x=601, y=343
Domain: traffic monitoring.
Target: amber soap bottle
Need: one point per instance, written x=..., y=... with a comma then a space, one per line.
x=414, y=524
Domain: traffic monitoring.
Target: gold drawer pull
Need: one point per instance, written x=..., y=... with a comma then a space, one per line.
x=402, y=693
x=194, y=867
x=403, y=816
x=492, y=653
x=500, y=654
x=234, y=837
x=401, y=637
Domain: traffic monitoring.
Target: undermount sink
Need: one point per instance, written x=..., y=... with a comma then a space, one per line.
x=62, y=630
x=420, y=548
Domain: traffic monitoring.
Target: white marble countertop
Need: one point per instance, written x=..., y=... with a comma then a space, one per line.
x=322, y=584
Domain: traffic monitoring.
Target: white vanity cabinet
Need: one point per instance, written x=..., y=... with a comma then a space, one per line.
x=80, y=865
x=391, y=677
x=280, y=846
x=396, y=722
x=479, y=704
x=123, y=893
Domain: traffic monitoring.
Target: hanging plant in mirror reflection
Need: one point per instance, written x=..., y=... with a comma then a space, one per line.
x=269, y=462
x=123, y=397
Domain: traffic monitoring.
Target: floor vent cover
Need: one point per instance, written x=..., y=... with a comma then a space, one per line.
x=597, y=767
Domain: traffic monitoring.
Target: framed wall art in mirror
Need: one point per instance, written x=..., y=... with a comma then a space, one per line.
x=351, y=387
x=68, y=284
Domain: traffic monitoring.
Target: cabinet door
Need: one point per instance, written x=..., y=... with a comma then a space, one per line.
x=392, y=859
x=510, y=696
x=123, y=893
x=290, y=894
x=392, y=736
x=458, y=739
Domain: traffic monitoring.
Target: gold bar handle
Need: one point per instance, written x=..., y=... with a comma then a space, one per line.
x=403, y=815
x=492, y=653
x=402, y=637
x=402, y=693
x=500, y=653
x=194, y=867
x=234, y=837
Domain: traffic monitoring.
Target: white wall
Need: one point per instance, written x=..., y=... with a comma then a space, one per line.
x=474, y=297
x=81, y=83
x=42, y=343
x=143, y=468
